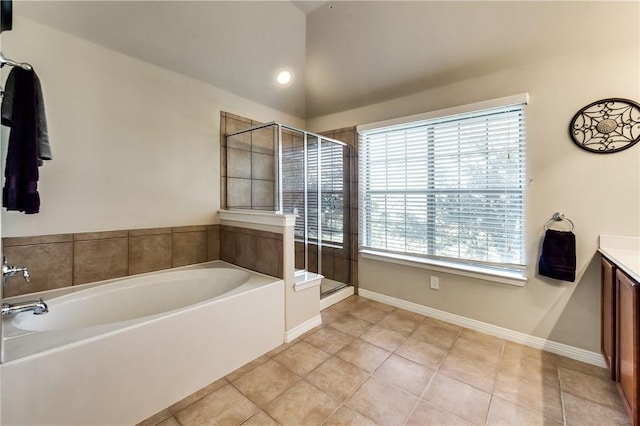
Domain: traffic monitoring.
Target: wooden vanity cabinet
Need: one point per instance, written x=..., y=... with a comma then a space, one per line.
x=627, y=340
x=620, y=330
x=608, y=327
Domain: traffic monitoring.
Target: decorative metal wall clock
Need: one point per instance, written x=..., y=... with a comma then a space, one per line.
x=606, y=126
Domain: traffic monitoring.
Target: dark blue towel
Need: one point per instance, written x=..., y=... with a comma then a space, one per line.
x=20, y=190
x=558, y=258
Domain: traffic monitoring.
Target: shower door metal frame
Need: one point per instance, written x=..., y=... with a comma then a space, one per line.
x=280, y=181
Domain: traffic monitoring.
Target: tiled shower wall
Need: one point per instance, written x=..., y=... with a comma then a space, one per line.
x=247, y=164
x=62, y=260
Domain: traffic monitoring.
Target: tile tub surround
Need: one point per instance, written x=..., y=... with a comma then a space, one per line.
x=371, y=363
x=62, y=260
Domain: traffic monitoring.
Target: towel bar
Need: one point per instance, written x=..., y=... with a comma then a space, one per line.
x=558, y=217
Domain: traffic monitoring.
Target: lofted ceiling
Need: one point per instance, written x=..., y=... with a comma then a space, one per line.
x=344, y=54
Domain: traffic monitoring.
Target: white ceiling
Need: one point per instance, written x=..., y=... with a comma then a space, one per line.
x=344, y=54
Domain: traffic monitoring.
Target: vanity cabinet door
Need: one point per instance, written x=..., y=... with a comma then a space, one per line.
x=627, y=343
x=608, y=307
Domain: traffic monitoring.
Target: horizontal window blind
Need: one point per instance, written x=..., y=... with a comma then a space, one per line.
x=450, y=188
x=330, y=184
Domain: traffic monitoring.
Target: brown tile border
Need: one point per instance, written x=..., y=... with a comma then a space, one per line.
x=84, y=236
x=38, y=239
x=192, y=228
x=148, y=231
x=93, y=256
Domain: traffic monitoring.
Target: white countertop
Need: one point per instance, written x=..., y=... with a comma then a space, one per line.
x=624, y=252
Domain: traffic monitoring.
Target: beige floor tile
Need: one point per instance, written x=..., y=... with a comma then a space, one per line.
x=184, y=403
x=281, y=348
x=312, y=331
x=505, y=413
x=594, y=388
x=302, y=358
x=345, y=416
x=458, y=398
x=155, y=419
x=338, y=378
x=436, y=333
x=367, y=313
x=421, y=352
x=379, y=305
x=260, y=419
x=426, y=414
x=582, y=367
x=382, y=337
x=246, y=368
x=466, y=368
x=481, y=337
x=363, y=355
x=382, y=403
x=582, y=412
x=486, y=350
x=538, y=392
x=349, y=304
x=330, y=315
x=405, y=374
x=224, y=406
x=351, y=325
x=266, y=382
x=302, y=404
x=329, y=339
x=401, y=321
x=517, y=351
x=171, y=421
x=520, y=364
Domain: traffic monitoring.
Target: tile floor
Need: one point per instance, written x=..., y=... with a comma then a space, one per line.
x=370, y=363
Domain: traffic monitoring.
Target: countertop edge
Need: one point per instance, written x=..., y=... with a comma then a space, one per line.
x=617, y=256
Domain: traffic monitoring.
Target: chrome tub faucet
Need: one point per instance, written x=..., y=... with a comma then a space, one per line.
x=10, y=270
x=37, y=306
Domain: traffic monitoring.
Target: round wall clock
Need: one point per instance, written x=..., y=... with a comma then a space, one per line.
x=606, y=126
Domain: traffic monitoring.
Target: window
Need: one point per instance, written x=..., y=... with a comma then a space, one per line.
x=447, y=186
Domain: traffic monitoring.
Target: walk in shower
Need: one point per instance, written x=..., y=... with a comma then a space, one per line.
x=274, y=167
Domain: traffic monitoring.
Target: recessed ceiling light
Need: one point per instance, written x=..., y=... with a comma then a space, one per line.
x=284, y=77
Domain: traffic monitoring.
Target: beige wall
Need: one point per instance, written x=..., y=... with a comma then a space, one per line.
x=600, y=193
x=134, y=145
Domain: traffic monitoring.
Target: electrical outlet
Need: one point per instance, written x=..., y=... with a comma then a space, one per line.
x=435, y=282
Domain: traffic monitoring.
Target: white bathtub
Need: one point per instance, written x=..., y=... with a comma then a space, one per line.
x=121, y=351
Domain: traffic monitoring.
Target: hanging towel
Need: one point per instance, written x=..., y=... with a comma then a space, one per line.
x=44, y=147
x=20, y=190
x=558, y=258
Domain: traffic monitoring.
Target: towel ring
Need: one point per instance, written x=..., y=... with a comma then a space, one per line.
x=558, y=217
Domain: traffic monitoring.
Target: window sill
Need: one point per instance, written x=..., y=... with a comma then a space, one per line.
x=448, y=267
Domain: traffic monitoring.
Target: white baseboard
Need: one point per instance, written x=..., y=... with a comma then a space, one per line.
x=572, y=352
x=336, y=297
x=300, y=329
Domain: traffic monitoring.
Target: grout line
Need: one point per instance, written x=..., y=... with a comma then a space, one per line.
x=562, y=404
